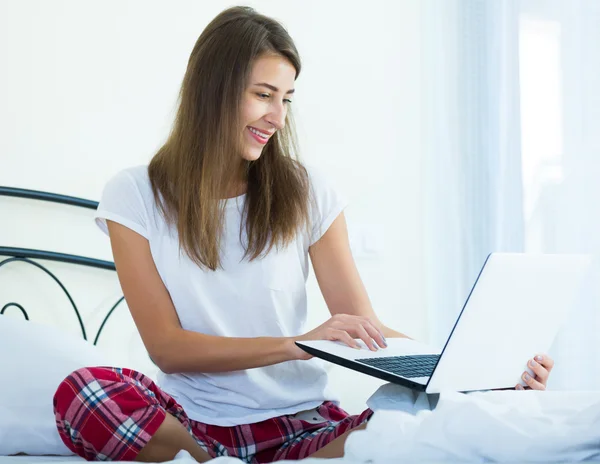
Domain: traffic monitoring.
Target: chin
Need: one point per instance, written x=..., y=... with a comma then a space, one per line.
x=252, y=155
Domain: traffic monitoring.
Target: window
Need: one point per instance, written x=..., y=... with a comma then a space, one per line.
x=541, y=123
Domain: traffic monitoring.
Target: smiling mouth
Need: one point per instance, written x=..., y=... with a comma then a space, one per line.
x=259, y=136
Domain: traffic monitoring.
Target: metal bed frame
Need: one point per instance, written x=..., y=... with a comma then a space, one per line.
x=28, y=256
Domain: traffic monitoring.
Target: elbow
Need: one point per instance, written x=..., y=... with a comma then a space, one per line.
x=161, y=354
x=176, y=352
x=163, y=364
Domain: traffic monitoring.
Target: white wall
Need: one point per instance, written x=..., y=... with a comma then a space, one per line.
x=89, y=87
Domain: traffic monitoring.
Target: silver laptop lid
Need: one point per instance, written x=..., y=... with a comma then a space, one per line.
x=514, y=311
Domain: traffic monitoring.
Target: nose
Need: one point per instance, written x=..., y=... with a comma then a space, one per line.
x=277, y=116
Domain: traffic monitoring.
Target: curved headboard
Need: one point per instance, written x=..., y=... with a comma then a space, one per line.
x=28, y=255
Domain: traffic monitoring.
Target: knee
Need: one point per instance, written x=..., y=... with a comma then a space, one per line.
x=69, y=397
x=68, y=390
x=88, y=396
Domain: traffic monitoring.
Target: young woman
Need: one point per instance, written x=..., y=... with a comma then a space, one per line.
x=211, y=243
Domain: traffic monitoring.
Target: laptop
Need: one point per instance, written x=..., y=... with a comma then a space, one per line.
x=514, y=311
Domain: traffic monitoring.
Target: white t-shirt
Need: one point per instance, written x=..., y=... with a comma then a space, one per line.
x=262, y=298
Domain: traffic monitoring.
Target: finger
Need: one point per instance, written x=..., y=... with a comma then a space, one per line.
x=355, y=326
x=521, y=387
x=343, y=336
x=374, y=332
x=349, y=323
x=530, y=381
x=362, y=333
x=541, y=374
x=545, y=361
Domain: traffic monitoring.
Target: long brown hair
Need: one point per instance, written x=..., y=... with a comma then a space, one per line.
x=199, y=161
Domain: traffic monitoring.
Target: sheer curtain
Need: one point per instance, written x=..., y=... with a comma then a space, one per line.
x=473, y=163
x=512, y=118
x=561, y=121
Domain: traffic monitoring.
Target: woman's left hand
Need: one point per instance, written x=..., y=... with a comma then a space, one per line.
x=541, y=365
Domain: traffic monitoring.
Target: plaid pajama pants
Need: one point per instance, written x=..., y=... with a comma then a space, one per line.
x=105, y=413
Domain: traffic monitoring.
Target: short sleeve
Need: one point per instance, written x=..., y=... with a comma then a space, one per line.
x=326, y=204
x=123, y=202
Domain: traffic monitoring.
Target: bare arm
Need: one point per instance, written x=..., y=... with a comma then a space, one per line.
x=339, y=279
x=173, y=348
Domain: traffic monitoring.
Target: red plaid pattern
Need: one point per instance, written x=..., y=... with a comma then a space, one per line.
x=105, y=413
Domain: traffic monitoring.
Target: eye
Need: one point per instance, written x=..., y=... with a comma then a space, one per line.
x=287, y=100
x=263, y=95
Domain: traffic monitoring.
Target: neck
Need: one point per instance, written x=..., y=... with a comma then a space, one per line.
x=236, y=190
x=239, y=184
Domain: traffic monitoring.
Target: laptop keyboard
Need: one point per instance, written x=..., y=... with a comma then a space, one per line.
x=420, y=365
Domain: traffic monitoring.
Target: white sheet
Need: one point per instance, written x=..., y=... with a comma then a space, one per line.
x=182, y=458
x=40, y=459
x=505, y=426
x=499, y=426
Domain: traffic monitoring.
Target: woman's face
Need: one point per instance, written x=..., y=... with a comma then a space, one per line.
x=265, y=103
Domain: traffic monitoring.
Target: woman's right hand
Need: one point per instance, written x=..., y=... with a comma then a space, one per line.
x=344, y=328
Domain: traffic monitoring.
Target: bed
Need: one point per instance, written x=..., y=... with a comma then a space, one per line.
x=42, y=289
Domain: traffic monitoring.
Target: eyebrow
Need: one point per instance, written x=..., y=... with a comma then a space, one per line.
x=273, y=88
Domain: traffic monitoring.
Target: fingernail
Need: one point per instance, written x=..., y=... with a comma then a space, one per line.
x=383, y=338
x=532, y=363
x=526, y=376
x=538, y=358
x=519, y=387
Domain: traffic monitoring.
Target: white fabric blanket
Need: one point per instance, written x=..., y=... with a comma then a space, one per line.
x=492, y=426
x=507, y=426
x=183, y=457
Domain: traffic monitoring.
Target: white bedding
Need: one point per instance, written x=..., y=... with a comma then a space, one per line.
x=497, y=426
x=40, y=459
x=182, y=458
x=504, y=426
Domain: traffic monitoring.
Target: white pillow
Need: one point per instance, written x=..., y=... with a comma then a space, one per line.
x=34, y=359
